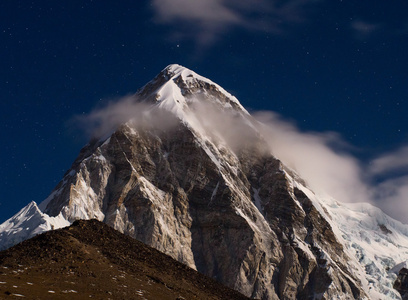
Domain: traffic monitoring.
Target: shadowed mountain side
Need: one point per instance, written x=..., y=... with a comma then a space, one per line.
x=91, y=260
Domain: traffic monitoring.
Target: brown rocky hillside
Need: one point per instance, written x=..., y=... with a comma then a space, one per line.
x=91, y=260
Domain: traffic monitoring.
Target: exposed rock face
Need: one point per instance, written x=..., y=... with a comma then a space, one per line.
x=235, y=214
x=401, y=284
x=165, y=190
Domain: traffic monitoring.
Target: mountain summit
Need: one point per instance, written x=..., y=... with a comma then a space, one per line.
x=193, y=177
x=176, y=86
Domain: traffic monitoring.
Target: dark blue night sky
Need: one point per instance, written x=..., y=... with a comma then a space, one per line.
x=326, y=66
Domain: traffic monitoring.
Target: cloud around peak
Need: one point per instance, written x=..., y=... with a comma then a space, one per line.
x=323, y=159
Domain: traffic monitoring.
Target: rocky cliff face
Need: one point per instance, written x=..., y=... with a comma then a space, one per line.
x=401, y=284
x=230, y=210
x=236, y=216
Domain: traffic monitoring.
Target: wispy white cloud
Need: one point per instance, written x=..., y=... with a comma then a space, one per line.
x=104, y=120
x=322, y=159
x=395, y=161
x=316, y=157
x=363, y=29
x=206, y=21
x=392, y=197
x=391, y=193
x=203, y=20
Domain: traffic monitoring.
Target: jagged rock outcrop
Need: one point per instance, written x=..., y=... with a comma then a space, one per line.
x=401, y=284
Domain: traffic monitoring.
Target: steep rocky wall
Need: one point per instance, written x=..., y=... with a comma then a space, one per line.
x=233, y=216
x=231, y=211
x=401, y=284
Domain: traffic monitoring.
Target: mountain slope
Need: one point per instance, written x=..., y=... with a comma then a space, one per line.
x=90, y=259
x=193, y=177
x=28, y=222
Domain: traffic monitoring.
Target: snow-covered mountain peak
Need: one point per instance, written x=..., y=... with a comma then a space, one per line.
x=176, y=69
x=177, y=89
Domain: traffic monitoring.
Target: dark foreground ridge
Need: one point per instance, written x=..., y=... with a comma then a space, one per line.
x=90, y=260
